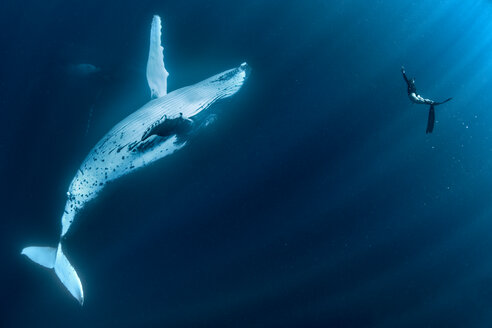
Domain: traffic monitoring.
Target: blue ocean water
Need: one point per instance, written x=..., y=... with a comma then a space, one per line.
x=315, y=200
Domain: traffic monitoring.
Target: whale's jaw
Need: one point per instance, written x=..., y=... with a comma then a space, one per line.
x=246, y=68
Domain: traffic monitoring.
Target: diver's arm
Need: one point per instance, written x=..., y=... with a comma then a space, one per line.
x=404, y=75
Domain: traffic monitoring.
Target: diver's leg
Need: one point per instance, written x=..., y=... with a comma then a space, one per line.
x=431, y=120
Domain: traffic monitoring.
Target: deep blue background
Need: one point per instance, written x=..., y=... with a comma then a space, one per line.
x=316, y=200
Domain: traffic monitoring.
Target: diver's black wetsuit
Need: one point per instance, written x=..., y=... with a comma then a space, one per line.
x=418, y=99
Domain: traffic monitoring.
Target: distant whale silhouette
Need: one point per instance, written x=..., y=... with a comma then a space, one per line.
x=156, y=130
x=83, y=69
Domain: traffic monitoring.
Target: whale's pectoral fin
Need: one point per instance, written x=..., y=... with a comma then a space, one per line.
x=167, y=127
x=431, y=119
x=156, y=71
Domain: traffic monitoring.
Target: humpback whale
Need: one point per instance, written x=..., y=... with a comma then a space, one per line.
x=83, y=69
x=418, y=99
x=157, y=129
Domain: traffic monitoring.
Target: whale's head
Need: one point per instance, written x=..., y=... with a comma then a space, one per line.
x=230, y=81
x=238, y=74
x=246, y=68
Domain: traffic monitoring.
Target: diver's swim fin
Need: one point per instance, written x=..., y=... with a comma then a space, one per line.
x=431, y=120
x=442, y=102
x=53, y=258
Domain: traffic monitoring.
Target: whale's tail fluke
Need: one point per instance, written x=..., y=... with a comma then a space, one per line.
x=53, y=258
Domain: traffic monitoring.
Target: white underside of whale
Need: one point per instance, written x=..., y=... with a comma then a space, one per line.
x=130, y=145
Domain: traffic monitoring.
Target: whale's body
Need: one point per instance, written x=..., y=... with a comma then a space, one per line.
x=122, y=150
x=152, y=132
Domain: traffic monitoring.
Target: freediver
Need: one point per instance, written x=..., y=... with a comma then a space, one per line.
x=418, y=99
